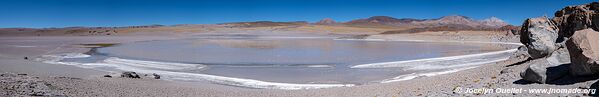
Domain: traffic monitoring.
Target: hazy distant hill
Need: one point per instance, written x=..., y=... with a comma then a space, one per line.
x=326, y=21
x=452, y=20
x=383, y=20
x=266, y=24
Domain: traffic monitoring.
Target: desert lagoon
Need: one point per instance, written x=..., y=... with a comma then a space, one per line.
x=287, y=62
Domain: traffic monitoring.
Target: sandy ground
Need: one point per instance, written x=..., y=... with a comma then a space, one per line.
x=74, y=81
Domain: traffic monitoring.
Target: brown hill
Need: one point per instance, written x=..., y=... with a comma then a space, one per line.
x=93, y=31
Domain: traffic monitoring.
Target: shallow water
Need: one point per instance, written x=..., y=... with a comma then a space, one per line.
x=294, y=60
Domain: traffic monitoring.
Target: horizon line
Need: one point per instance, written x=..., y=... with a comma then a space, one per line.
x=74, y=26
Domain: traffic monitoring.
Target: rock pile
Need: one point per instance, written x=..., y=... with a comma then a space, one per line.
x=130, y=75
x=567, y=43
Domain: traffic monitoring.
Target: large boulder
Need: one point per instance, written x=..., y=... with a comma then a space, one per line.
x=539, y=35
x=583, y=47
x=574, y=18
x=545, y=70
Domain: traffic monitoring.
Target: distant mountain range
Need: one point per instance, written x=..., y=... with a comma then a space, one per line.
x=402, y=25
x=446, y=23
x=454, y=20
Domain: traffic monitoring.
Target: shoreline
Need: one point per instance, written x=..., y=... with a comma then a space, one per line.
x=430, y=86
x=114, y=62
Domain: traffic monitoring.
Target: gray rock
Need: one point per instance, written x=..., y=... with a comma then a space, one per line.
x=583, y=47
x=505, y=70
x=539, y=35
x=521, y=54
x=559, y=56
x=545, y=70
x=156, y=76
x=130, y=75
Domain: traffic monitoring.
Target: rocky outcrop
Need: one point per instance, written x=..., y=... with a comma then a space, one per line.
x=574, y=18
x=326, y=21
x=573, y=29
x=539, y=35
x=583, y=47
x=548, y=69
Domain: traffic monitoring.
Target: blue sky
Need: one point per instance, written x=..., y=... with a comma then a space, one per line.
x=64, y=13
